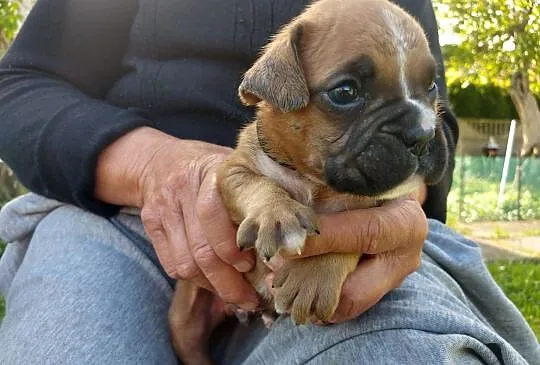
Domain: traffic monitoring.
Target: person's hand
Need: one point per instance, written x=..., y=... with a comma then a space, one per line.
x=390, y=237
x=181, y=209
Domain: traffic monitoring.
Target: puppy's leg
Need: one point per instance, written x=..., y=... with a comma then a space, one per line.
x=269, y=218
x=190, y=323
x=310, y=288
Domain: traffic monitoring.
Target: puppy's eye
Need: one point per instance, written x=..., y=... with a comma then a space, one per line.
x=343, y=94
x=432, y=87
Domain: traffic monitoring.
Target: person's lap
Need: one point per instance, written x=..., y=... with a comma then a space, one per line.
x=91, y=291
x=84, y=294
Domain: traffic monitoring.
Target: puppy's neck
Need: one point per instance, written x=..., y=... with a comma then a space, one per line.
x=265, y=146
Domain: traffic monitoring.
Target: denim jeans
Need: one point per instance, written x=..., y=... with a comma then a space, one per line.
x=82, y=289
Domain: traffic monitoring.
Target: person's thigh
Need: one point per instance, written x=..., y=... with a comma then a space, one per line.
x=429, y=319
x=86, y=294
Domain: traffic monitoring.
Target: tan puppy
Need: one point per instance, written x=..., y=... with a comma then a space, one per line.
x=346, y=118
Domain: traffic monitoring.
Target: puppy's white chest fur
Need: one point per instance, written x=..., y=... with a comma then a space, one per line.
x=298, y=187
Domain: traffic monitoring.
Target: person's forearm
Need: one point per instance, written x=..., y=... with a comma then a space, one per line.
x=121, y=166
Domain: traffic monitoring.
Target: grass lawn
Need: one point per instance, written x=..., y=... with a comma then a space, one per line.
x=520, y=280
x=2, y=307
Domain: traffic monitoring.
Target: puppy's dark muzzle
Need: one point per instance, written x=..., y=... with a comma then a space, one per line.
x=383, y=150
x=418, y=139
x=406, y=127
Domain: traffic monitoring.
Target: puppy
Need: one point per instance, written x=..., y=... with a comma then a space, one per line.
x=346, y=119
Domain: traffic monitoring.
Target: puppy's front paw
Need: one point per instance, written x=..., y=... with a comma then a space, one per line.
x=309, y=288
x=283, y=225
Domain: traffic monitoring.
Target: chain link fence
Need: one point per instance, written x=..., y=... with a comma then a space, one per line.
x=475, y=190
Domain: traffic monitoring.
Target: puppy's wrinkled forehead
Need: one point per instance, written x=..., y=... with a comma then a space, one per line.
x=338, y=33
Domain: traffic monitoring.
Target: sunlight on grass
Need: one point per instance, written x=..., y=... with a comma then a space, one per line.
x=531, y=232
x=500, y=233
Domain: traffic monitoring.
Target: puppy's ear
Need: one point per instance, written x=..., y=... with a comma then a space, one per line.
x=277, y=76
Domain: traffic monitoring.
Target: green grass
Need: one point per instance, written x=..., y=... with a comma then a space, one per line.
x=2, y=308
x=531, y=232
x=500, y=233
x=520, y=280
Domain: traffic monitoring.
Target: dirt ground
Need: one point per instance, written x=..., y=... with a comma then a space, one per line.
x=505, y=240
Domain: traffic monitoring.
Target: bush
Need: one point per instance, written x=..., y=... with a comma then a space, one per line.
x=481, y=101
x=10, y=187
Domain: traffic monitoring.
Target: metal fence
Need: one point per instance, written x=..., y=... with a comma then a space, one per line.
x=475, y=194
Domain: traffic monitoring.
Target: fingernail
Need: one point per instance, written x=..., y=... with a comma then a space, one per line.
x=243, y=266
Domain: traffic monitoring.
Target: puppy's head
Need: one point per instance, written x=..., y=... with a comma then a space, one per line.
x=346, y=94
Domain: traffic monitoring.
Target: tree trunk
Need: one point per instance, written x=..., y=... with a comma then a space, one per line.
x=528, y=113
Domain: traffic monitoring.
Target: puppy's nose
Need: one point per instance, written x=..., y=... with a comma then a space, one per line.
x=417, y=138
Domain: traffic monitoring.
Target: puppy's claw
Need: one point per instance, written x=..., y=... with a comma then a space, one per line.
x=309, y=221
x=243, y=246
x=318, y=232
x=268, y=319
x=247, y=234
x=299, y=251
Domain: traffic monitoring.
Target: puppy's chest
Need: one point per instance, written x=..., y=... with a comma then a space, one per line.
x=309, y=192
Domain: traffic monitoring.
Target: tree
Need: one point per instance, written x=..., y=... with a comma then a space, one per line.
x=10, y=18
x=11, y=13
x=499, y=41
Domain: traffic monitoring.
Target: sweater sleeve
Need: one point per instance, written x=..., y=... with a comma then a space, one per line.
x=53, y=79
x=436, y=202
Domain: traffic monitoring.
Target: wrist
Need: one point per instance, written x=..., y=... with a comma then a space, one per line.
x=122, y=166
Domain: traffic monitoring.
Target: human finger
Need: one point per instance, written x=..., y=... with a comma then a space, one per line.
x=220, y=232
x=361, y=292
x=392, y=225
x=230, y=285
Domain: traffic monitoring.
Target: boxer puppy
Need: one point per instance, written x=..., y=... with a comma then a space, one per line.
x=346, y=119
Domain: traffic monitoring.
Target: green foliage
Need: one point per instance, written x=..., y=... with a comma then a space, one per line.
x=498, y=37
x=10, y=18
x=520, y=281
x=481, y=101
x=10, y=187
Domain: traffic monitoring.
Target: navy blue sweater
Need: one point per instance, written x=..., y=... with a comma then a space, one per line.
x=81, y=73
